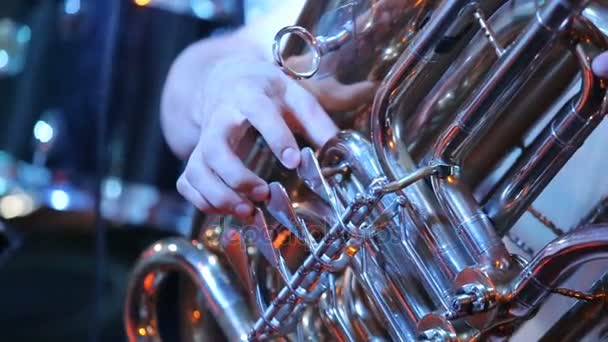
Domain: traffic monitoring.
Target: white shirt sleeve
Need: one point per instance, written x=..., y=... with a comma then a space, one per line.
x=265, y=18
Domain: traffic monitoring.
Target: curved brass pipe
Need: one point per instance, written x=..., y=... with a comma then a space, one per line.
x=475, y=117
x=388, y=145
x=204, y=269
x=558, y=141
x=552, y=265
x=507, y=77
x=397, y=284
x=482, y=110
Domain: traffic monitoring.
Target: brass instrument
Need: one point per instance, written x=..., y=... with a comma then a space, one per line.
x=394, y=229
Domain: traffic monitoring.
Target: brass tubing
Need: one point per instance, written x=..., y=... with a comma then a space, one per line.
x=480, y=113
x=421, y=235
x=418, y=55
x=552, y=265
x=222, y=299
x=556, y=144
x=409, y=303
x=512, y=70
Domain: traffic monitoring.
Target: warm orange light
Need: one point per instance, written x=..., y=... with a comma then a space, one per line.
x=281, y=238
x=142, y=2
x=142, y=331
x=352, y=250
x=149, y=283
x=196, y=315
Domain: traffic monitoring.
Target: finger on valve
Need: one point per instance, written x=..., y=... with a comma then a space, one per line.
x=265, y=115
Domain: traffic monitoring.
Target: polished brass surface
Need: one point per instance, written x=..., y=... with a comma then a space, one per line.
x=393, y=230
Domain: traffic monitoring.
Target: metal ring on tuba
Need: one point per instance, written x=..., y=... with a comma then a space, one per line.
x=312, y=42
x=395, y=231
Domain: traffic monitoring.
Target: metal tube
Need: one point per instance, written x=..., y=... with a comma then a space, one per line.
x=388, y=145
x=399, y=314
x=223, y=300
x=512, y=70
x=479, y=114
x=559, y=140
x=429, y=227
x=307, y=276
x=333, y=310
x=552, y=265
x=421, y=235
x=361, y=310
x=395, y=282
x=529, y=107
x=471, y=223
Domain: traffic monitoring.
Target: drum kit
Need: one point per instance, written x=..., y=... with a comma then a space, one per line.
x=51, y=185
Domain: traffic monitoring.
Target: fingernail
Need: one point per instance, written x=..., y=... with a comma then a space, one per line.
x=290, y=157
x=243, y=209
x=260, y=192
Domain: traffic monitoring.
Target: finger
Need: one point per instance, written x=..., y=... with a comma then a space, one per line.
x=312, y=119
x=231, y=170
x=213, y=189
x=187, y=190
x=600, y=65
x=265, y=114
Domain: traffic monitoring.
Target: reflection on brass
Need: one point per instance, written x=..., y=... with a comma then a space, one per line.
x=459, y=113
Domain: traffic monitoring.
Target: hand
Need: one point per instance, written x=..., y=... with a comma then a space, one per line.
x=600, y=65
x=239, y=93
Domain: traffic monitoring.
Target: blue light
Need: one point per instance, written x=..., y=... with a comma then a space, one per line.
x=24, y=34
x=3, y=58
x=204, y=9
x=60, y=200
x=43, y=132
x=72, y=6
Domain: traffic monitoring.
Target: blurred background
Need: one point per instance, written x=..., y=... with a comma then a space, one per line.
x=80, y=85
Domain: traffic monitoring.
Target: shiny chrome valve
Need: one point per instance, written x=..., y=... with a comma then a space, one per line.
x=394, y=229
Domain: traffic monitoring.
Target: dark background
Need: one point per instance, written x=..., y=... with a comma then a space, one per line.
x=100, y=72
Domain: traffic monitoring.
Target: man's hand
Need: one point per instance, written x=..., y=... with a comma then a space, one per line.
x=219, y=87
x=239, y=92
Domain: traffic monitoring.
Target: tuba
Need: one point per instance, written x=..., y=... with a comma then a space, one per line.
x=400, y=227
